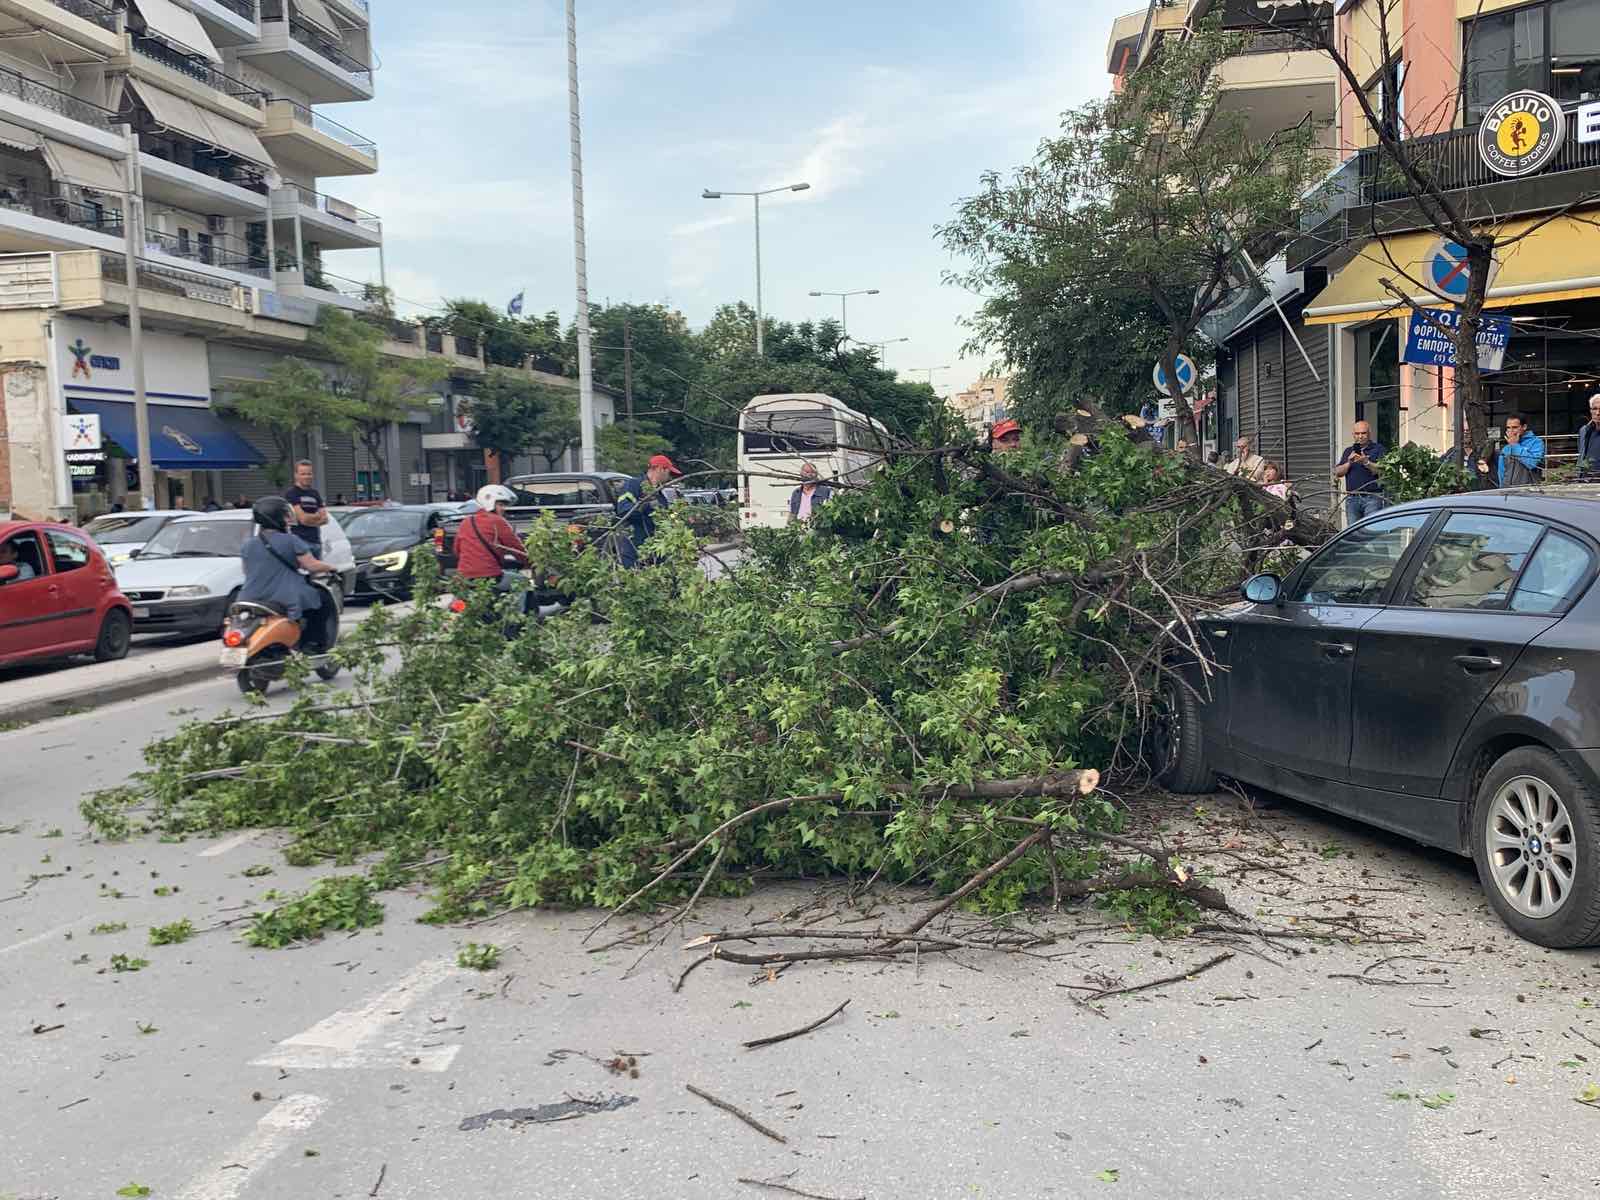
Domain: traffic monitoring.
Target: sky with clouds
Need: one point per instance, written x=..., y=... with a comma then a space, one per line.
x=891, y=110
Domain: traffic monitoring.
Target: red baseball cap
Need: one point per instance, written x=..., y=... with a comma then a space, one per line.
x=1005, y=427
x=661, y=460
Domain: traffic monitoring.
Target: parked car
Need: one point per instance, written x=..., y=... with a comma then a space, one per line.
x=58, y=596
x=185, y=577
x=1434, y=671
x=120, y=535
x=386, y=541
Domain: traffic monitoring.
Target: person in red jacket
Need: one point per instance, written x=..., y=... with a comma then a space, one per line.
x=485, y=539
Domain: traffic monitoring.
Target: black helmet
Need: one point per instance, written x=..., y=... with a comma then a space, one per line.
x=273, y=512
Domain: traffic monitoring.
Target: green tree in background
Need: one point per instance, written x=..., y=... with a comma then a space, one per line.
x=512, y=414
x=295, y=398
x=617, y=449
x=507, y=340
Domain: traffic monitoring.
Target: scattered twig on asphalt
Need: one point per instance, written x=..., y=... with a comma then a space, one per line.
x=793, y=1191
x=1313, y=1046
x=1368, y=979
x=1155, y=983
x=794, y=1033
x=677, y=987
x=738, y=1112
x=382, y=1171
x=37, y=1029
x=74, y=1104
x=1585, y=1037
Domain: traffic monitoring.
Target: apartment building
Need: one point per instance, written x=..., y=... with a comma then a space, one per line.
x=206, y=111
x=984, y=403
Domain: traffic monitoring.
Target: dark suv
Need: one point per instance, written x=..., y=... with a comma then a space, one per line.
x=1434, y=671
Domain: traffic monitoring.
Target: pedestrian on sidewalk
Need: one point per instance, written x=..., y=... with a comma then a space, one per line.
x=1589, y=441
x=809, y=496
x=1521, y=455
x=1244, y=463
x=1363, y=491
x=310, y=514
x=636, y=506
x=1272, y=480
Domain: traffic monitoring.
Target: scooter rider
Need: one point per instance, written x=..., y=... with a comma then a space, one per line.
x=273, y=560
x=486, y=539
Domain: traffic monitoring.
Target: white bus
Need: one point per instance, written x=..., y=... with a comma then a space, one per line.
x=780, y=434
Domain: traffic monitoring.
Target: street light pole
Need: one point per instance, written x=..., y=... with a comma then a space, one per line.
x=844, y=312
x=580, y=249
x=132, y=247
x=880, y=346
x=930, y=371
x=714, y=194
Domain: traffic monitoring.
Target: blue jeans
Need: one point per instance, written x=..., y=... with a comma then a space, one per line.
x=1360, y=505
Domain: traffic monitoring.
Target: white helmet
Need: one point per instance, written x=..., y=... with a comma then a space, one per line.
x=491, y=494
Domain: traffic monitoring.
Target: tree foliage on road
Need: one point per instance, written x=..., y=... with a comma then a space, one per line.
x=1134, y=216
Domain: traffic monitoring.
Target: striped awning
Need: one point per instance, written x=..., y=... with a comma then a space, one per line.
x=71, y=164
x=178, y=26
x=17, y=137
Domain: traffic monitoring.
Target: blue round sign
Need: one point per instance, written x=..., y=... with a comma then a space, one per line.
x=1187, y=375
x=1448, y=271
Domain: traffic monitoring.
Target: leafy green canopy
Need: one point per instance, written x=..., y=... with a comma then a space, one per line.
x=950, y=624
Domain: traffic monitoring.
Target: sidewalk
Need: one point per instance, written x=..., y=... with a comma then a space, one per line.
x=84, y=685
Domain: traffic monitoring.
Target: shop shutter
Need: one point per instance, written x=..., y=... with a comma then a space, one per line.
x=252, y=484
x=412, y=461
x=1310, y=450
x=1269, y=391
x=339, y=465
x=1245, y=364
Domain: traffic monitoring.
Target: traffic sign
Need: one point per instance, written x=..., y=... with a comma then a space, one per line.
x=1448, y=271
x=1188, y=375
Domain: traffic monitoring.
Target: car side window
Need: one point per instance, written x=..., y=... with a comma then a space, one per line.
x=1474, y=562
x=29, y=556
x=1356, y=568
x=1559, y=565
x=70, y=553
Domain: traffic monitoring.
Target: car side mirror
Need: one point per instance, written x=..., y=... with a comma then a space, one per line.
x=9, y=572
x=1263, y=589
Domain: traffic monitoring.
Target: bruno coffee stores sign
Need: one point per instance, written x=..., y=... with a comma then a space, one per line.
x=1524, y=132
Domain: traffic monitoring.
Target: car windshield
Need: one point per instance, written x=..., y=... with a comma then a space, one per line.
x=379, y=523
x=121, y=529
x=198, y=539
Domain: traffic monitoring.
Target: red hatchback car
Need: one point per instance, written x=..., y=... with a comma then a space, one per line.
x=58, y=596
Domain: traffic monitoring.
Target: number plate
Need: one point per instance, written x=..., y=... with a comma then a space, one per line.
x=140, y=614
x=235, y=656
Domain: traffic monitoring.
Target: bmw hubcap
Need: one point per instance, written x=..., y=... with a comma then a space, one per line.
x=1531, y=846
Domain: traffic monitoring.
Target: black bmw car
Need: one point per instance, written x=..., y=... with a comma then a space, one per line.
x=1434, y=670
x=386, y=542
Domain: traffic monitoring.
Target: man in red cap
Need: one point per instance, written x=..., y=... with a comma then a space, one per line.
x=640, y=497
x=1006, y=436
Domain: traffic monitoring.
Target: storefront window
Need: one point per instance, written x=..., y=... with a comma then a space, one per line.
x=1378, y=380
x=1552, y=47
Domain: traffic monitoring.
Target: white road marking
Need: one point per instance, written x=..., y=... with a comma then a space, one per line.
x=42, y=937
x=355, y=1038
x=224, y=1179
x=233, y=843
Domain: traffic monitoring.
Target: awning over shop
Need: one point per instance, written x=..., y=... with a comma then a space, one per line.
x=177, y=25
x=174, y=112
x=181, y=439
x=69, y=164
x=1555, y=260
x=235, y=138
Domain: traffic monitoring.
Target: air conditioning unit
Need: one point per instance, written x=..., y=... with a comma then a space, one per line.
x=216, y=224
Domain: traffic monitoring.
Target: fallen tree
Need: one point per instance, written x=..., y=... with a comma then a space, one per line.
x=926, y=685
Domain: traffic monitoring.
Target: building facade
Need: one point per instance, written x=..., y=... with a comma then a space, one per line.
x=984, y=403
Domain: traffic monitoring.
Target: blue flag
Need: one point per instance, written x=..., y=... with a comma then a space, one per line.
x=514, y=309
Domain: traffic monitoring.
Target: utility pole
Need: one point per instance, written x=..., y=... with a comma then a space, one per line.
x=580, y=250
x=132, y=245
x=627, y=377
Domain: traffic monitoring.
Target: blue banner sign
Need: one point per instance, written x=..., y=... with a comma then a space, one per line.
x=1429, y=343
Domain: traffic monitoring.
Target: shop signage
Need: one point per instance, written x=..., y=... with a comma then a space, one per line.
x=1521, y=134
x=85, y=464
x=82, y=431
x=97, y=357
x=1429, y=342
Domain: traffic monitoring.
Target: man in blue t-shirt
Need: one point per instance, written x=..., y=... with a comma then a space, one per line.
x=1363, y=493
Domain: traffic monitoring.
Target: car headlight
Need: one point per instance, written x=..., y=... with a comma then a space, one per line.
x=119, y=559
x=392, y=562
x=188, y=591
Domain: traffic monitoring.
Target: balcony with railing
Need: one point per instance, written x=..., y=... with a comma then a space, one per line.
x=56, y=204
x=172, y=281
x=244, y=8
x=92, y=11
x=318, y=42
x=325, y=125
x=195, y=67
x=335, y=208
x=211, y=249
x=200, y=158
x=20, y=87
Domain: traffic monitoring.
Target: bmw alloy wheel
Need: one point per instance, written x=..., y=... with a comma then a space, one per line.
x=1531, y=846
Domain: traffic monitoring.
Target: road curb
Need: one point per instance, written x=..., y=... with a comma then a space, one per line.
x=46, y=708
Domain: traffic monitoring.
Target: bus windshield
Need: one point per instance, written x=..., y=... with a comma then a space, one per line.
x=789, y=431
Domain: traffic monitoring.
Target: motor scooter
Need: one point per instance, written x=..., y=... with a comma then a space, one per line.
x=258, y=639
x=516, y=581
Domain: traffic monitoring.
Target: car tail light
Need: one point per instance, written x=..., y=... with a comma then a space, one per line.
x=458, y=605
x=747, y=490
x=233, y=638
x=438, y=540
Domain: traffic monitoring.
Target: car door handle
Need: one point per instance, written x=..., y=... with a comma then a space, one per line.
x=1475, y=663
x=1336, y=649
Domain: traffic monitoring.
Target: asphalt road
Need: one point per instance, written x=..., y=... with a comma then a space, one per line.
x=349, y=1068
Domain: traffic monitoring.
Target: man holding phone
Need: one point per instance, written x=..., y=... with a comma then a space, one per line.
x=1363, y=492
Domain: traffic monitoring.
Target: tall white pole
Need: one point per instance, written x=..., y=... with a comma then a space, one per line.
x=580, y=252
x=132, y=242
x=761, y=349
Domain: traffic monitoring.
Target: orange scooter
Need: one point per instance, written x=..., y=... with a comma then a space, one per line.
x=258, y=639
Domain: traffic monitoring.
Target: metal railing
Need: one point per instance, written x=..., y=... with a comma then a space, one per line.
x=403, y=331
x=238, y=174
x=245, y=8
x=1451, y=160
x=318, y=42
x=219, y=251
x=354, y=289
x=338, y=132
x=13, y=83
x=466, y=347
x=361, y=5
x=57, y=206
x=100, y=14
x=335, y=208
x=1285, y=41
x=435, y=342
x=157, y=278
x=196, y=67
